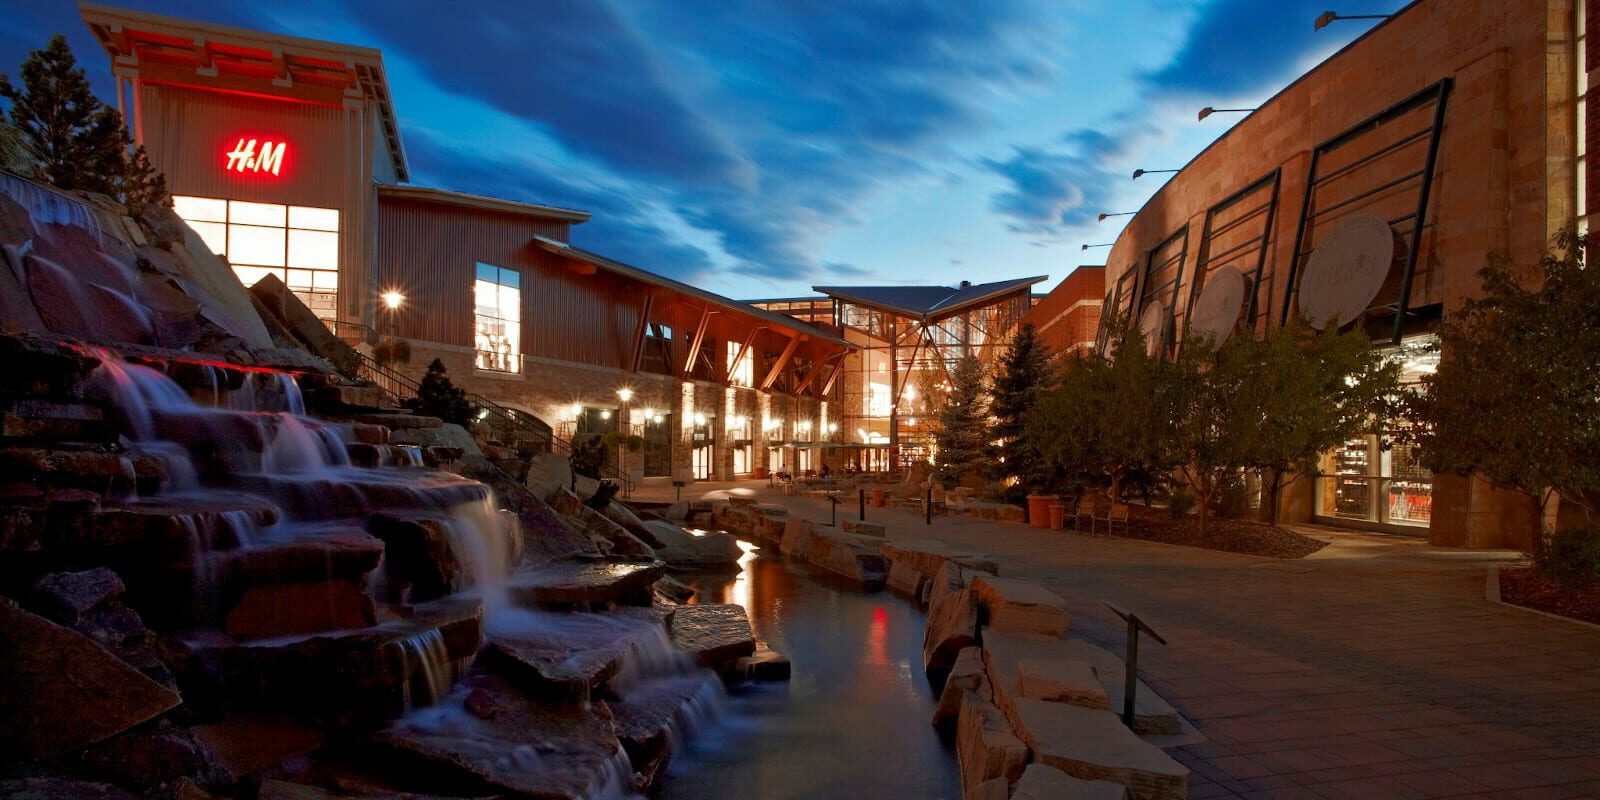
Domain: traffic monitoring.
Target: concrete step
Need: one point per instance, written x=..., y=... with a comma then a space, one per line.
x=1094, y=745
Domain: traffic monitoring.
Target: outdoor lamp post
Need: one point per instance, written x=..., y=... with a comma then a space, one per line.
x=1107, y=244
x=393, y=300
x=1105, y=214
x=624, y=394
x=1138, y=172
x=1208, y=111
x=1328, y=17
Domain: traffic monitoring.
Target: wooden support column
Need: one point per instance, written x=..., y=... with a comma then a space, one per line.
x=695, y=342
x=812, y=375
x=641, y=331
x=838, y=366
x=744, y=349
x=783, y=361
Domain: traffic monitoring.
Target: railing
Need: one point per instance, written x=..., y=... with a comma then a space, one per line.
x=514, y=426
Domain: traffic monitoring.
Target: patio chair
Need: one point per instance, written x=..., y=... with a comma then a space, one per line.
x=1084, y=512
x=1115, y=513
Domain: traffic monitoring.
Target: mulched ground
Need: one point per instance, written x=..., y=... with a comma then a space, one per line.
x=1524, y=586
x=1229, y=535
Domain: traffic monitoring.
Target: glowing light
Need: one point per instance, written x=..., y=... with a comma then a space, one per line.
x=605, y=415
x=577, y=410
x=625, y=394
x=246, y=157
x=650, y=413
x=659, y=419
x=393, y=299
x=699, y=419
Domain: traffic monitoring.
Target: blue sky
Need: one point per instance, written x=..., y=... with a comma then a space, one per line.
x=757, y=148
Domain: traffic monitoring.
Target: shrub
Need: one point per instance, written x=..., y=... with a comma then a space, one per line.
x=1572, y=554
x=1181, y=501
x=588, y=455
x=1234, y=500
x=438, y=397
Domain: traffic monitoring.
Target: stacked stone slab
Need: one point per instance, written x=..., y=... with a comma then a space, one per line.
x=1035, y=697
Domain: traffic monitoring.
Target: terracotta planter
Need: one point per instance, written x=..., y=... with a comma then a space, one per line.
x=1058, y=516
x=1039, y=509
x=877, y=498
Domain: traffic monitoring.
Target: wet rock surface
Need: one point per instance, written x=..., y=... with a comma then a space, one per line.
x=583, y=582
x=63, y=691
x=715, y=635
x=509, y=743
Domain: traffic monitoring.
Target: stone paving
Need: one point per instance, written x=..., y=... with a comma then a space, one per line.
x=1373, y=669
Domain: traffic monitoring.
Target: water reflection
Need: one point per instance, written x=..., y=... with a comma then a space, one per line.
x=853, y=720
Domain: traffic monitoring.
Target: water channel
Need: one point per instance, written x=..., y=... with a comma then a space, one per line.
x=852, y=722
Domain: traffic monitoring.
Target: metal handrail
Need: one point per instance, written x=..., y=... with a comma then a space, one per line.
x=392, y=383
x=1130, y=664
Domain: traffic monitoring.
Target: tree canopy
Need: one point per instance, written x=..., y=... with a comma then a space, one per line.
x=74, y=141
x=1026, y=372
x=963, y=433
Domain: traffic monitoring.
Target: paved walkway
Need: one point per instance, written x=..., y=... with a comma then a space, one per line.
x=1373, y=669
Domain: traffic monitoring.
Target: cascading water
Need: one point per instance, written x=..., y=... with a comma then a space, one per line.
x=47, y=207
x=430, y=665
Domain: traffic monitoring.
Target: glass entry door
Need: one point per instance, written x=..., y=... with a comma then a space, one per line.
x=705, y=447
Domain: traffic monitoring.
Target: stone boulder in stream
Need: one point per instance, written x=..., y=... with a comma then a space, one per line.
x=681, y=548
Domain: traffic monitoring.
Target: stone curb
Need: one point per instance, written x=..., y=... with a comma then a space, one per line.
x=1491, y=593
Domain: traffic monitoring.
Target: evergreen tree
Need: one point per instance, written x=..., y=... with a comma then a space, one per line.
x=438, y=397
x=963, y=432
x=77, y=142
x=16, y=154
x=1025, y=374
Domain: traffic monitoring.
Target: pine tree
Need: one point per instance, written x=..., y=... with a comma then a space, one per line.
x=1025, y=374
x=438, y=397
x=963, y=422
x=76, y=141
x=16, y=153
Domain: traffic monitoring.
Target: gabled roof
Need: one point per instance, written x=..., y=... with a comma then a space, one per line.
x=428, y=194
x=223, y=56
x=644, y=276
x=927, y=302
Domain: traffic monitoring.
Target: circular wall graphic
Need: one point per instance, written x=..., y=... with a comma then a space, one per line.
x=1346, y=270
x=1217, y=309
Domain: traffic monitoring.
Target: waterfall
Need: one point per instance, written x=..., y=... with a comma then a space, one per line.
x=428, y=664
x=47, y=206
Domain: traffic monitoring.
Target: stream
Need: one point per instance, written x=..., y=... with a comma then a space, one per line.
x=852, y=722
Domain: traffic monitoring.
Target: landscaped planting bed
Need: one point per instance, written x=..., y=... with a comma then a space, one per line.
x=1229, y=535
x=1529, y=588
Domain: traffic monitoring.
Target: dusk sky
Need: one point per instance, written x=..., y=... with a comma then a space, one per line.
x=758, y=148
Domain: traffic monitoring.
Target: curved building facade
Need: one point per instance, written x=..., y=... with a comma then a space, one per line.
x=1372, y=190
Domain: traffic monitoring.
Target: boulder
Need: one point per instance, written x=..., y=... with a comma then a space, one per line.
x=571, y=583
x=848, y=556
x=152, y=754
x=796, y=541
x=966, y=676
x=986, y=747
x=715, y=635
x=596, y=526
x=566, y=656
x=548, y=472
x=906, y=580
x=1018, y=606
x=1095, y=746
x=248, y=744
x=1040, y=782
x=545, y=535
x=678, y=511
x=673, y=589
x=281, y=609
x=654, y=718
x=765, y=664
x=418, y=555
x=952, y=627
x=65, y=598
x=1151, y=713
x=630, y=522
x=680, y=548
x=273, y=789
x=992, y=789
x=507, y=743
x=63, y=692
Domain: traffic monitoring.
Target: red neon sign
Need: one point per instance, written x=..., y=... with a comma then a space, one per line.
x=247, y=157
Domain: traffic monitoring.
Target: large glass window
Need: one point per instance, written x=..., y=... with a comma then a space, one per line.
x=1373, y=479
x=739, y=433
x=299, y=244
x=1580, y=59
x=497, y=313
x=658, y=433
x=739, y=370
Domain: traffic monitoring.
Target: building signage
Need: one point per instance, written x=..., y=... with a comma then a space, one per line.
x=256, y=156
x=1346, y=271
x=1152, y=323
x=1217, y=309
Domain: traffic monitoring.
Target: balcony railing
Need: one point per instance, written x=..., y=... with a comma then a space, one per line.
x=489, y=361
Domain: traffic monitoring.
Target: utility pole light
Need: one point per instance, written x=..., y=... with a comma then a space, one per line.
x=1329, y=17
x=1208, y=111
x=1138, y=172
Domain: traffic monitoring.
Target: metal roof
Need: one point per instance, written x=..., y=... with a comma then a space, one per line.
x=927, y=302
x=430, y=194
x=644, y=276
